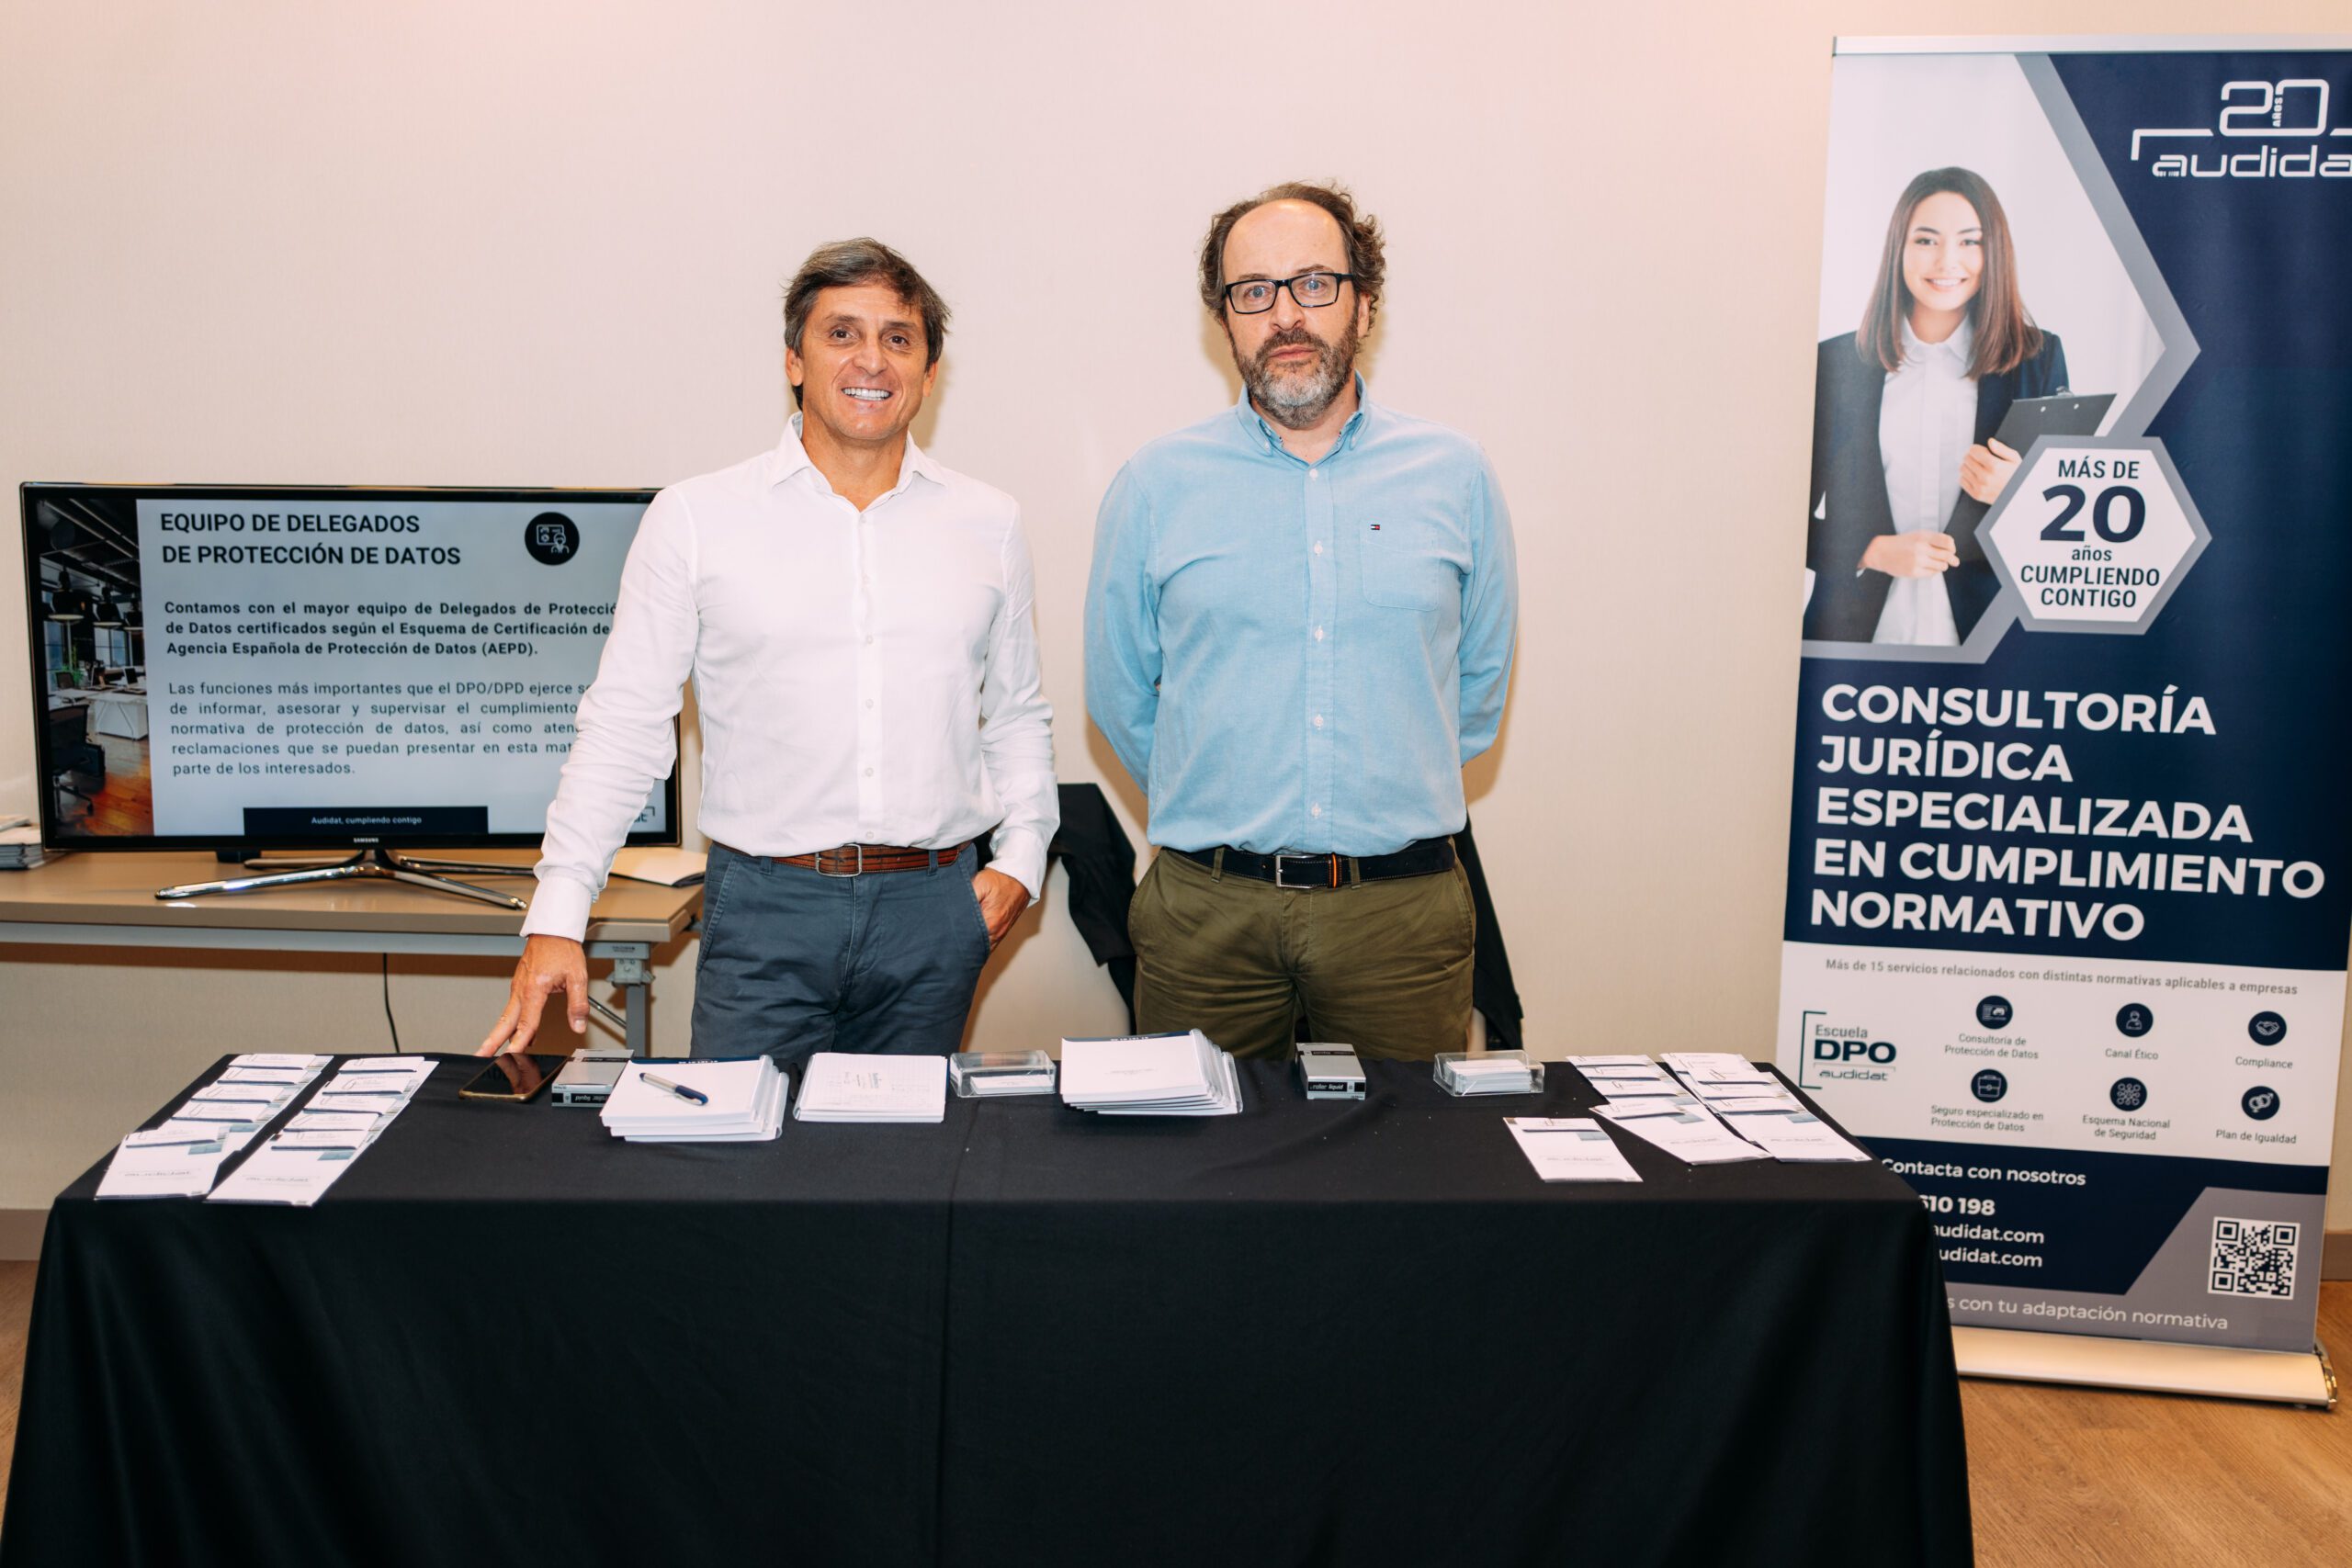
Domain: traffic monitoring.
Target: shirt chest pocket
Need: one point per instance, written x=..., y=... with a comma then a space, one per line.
x=1409, y=563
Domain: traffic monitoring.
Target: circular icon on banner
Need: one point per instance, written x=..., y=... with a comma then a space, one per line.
x=551, y=537
x=1988, y=1086
x=2260, y=1103
x=2128, y=1094
x=2135, y=1020
x=2266, y=1029
x=1993, y=1012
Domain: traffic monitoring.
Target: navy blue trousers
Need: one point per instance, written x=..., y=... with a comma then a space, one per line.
x=796, y=962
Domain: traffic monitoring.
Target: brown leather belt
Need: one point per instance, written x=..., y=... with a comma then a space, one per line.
x=860, y=860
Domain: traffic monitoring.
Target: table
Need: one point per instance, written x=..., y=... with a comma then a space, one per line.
x=107, y=900
x=1317, y=1332
x=117, y=711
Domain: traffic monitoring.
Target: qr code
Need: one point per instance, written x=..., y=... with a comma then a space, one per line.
x=2253, y=1257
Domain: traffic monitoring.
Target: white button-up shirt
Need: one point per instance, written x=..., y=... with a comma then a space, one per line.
x=1927, y=422
x=863, y=677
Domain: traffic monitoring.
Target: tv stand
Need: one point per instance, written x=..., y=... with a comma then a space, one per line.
x=376, y=865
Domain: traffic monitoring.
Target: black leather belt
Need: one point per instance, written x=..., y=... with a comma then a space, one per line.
x=1424, y=858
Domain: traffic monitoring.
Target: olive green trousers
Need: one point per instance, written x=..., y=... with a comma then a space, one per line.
x=1383, y=966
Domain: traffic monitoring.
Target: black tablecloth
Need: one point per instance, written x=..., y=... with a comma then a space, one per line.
x=1316, y=1332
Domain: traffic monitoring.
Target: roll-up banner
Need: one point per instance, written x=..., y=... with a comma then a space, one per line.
x=2070, y=858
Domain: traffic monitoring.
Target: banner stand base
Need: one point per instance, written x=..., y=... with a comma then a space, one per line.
x=2282, y=1377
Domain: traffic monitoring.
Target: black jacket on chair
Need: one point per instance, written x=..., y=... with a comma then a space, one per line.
x=1849, y=496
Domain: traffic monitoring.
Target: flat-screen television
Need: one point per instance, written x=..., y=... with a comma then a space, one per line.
x=252, y=667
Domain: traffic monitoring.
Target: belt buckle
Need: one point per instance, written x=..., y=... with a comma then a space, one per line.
x=1328, y=866
x=860, y=870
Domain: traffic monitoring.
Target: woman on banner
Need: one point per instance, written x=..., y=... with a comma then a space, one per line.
x=1905, y=462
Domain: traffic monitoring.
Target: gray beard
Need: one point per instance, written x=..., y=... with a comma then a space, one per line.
x=1293, y=399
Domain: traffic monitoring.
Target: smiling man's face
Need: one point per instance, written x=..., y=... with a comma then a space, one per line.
x=862, y=366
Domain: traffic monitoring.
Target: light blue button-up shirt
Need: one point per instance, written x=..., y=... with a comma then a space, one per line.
x=1296, y=656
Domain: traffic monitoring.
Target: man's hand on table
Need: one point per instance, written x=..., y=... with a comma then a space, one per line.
x=549, y=963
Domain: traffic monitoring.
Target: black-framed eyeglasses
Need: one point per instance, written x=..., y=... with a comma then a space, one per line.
x=1311, y=289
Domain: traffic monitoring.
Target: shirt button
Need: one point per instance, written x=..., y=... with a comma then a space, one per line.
x=1318, y=546
x=869, y=772
x=1314, y=473
x=1315, y=811
x=1318, y=634
x=1318, y=718
x=869, y=636
x=869, y=701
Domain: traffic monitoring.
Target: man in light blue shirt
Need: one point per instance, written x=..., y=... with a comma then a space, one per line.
x=1298, y=628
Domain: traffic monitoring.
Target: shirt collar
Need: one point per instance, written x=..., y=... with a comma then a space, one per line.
x=1255, y=427
x=790, y=456
x=1963, y=339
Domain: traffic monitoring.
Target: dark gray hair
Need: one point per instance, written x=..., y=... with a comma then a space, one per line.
x=1366, y=257
x=847, y=263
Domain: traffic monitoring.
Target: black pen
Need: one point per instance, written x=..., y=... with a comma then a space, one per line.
x=681, y=1090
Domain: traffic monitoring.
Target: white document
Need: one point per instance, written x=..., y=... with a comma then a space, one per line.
x=1150, y=1074
x=280, y=1059
x=405, y=1067
x=837, y=1086
x=235, y=1113
x=1581, y=1062
x=245, y=1093
x=1791, y=1134
x=1644, y=1089
x=283, y=1173
x=334, y=1122
x=1687, y=1133
x=745, y=1102
x=1224, y=1098
x=1570, y=1148
x=160, y=1169
x=1717, y=1066
x=292, y=1077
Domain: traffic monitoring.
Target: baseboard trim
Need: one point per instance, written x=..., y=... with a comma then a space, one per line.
x=2335, y=1259
x=20, y=1231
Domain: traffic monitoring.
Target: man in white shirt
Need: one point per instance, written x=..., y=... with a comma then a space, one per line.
x=856, y=619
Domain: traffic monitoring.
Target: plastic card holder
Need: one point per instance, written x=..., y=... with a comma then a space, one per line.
x=1491, y=1072
x=989, y=1075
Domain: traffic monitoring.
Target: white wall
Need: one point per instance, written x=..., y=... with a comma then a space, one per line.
x=545, y=243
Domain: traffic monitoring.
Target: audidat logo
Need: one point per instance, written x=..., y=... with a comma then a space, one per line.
x=2263, y=131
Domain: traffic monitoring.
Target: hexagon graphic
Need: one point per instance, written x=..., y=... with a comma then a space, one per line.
x=2094, y=534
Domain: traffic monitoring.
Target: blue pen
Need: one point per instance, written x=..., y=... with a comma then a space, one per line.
x=681, y=1090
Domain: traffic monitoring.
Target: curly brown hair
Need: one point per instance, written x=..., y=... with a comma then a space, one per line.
x=1367, y=262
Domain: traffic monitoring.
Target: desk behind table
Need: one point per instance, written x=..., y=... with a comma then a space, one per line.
x=1316, y=1331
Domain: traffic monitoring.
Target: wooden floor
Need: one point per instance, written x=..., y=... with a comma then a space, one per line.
x=2060, y=1475
x=127, y=804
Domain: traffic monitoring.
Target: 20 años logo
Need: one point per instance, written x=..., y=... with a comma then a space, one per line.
x=2286, y=119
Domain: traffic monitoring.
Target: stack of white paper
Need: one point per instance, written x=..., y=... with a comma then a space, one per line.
x=348, y=1113
x=182, y=1157
x=743, y=1102
x=1785, y=1129
x=1570, y=1148
x=1697, y=1068
x=1151, y=1074
x=1628, y=1077
x=1686, y=1132
x=20, y=846
x=839, y=1086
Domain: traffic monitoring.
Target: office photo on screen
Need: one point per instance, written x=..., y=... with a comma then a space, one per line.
x=281, y=668
x=1968, y=292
